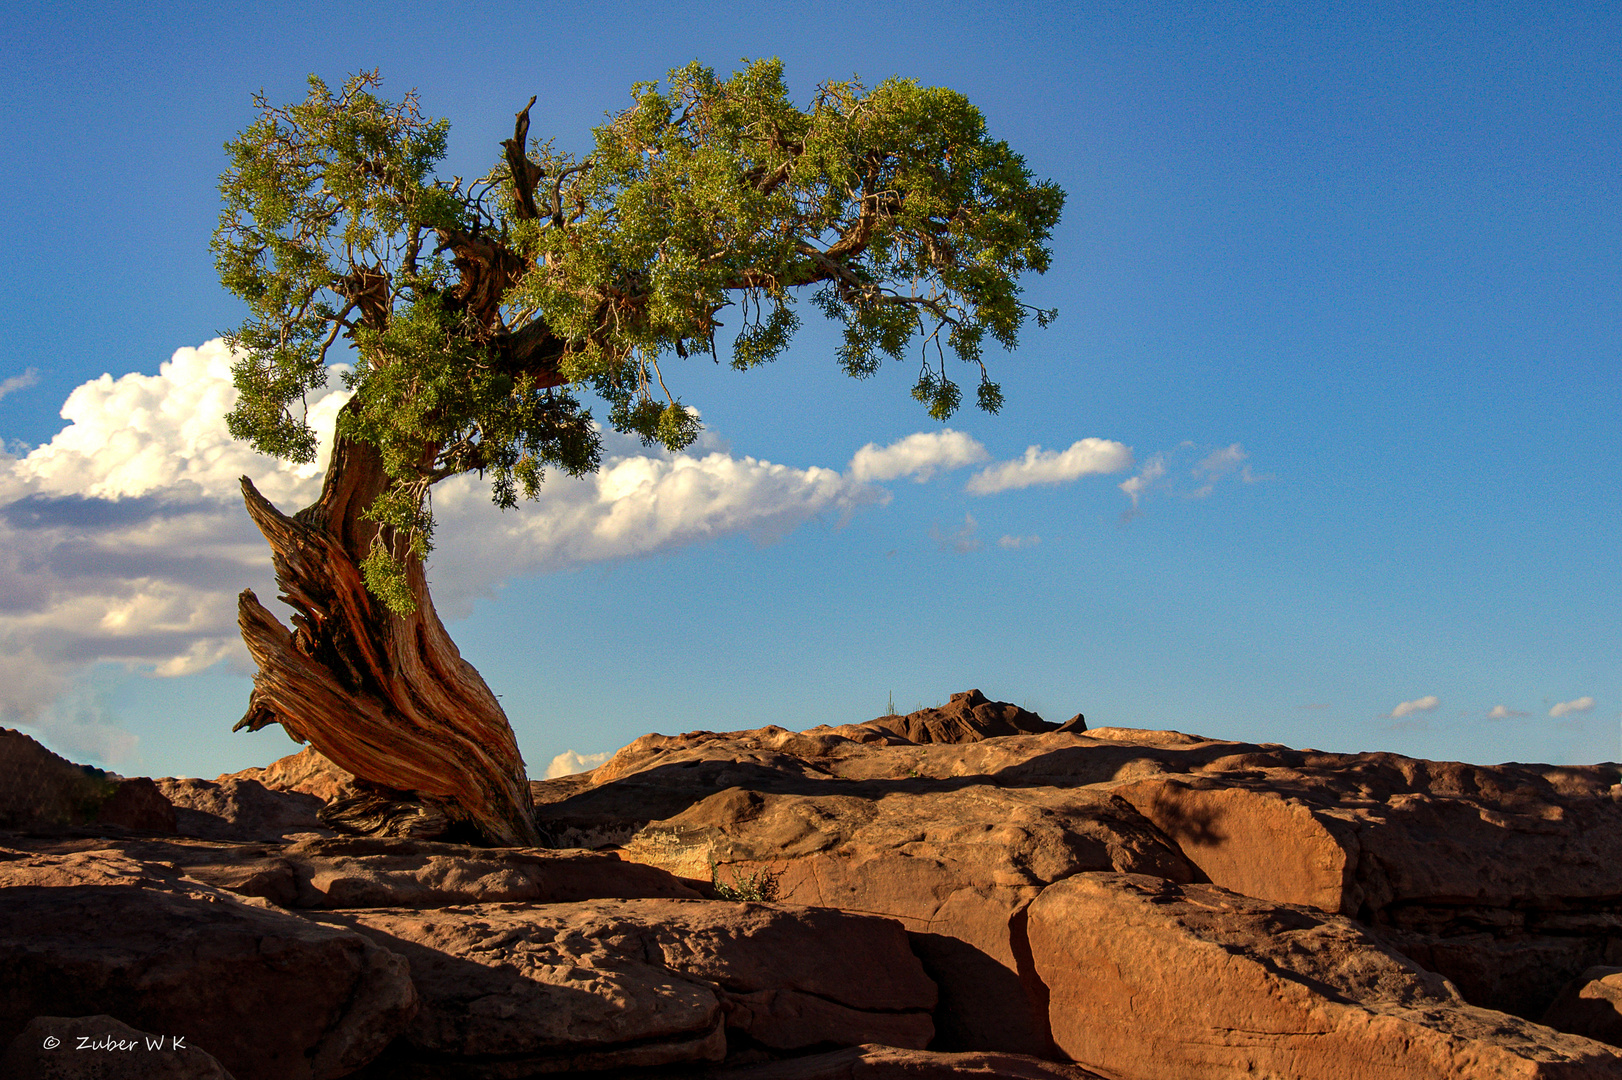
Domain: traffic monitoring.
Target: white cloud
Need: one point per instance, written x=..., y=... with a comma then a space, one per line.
x=165, y=434
x=124, y=539
x=1210, y=470
x=1038, y=466
x=1221, y=462
x=1215, y=465
x=1152, y=470
x=918, y=455
x=1582, y=704
x=18, y=382
x=634, y=506
x=568, y=763
x=1014, y=543
x=1500, y=712
x=962, y=541
x=1407, y=708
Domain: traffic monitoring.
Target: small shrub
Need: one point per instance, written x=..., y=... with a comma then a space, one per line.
x=761, y=886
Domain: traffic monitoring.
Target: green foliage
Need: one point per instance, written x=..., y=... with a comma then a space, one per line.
x=473, y=307
x=761, y=886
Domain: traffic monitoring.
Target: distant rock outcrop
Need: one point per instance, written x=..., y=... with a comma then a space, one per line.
x=42, y=791
x=968, y=717
x=964, y=891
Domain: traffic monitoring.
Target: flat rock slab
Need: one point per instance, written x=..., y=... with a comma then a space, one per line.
x=1156, y=981
x=876, y=1062
x=270, y=995
x=509, y=990
x=340, y=872
x=102, y=1048
x=362, y=872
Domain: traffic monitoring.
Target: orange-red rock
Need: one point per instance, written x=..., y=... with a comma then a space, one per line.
x=1156, y=981
x=515, y=989
x=270, y=995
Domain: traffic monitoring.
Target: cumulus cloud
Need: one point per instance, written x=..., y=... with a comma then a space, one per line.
x=1038, y=466
x=569, y=763
x=1582, y=704
x=919, y=455
x=1014, y=543
x=18, y=382
x=632, y=507
x=1408, y=708
x=124, y=539
x=1500, y=712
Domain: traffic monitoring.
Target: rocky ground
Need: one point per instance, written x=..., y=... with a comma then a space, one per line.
x=965, y=891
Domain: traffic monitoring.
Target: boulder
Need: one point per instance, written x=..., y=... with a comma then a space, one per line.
x=1591, y=1005
x=1149, y=980
x=270, y=995
x=306, y=773
x=41, y=791
x=232, y=808
x=509, y=990
x=956, y=865
x=1255, y=842
x=103, y=1048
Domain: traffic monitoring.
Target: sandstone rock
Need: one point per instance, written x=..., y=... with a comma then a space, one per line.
x=348, y=872
x=240, y=809
x=1590, y=1006
x=40, y=790
x=306, y=772
x=341, y=872
x=1503, y=878
x=968, y=717
x=1154, y=980
x=509, y=990
x=1255, y=842
x=875, y=1062
x=304, y=1002
x=21, y=868
x=102, y=1048
x=955, y=864
x=923, y=834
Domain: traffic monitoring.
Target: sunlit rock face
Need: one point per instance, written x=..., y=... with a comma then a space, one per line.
x=966, y=890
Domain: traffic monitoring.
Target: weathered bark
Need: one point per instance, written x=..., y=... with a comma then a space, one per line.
x=386, y=696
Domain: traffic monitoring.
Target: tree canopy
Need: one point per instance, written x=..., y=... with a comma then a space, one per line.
x=478, y=310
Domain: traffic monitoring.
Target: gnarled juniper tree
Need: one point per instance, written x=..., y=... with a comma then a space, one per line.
x=478, y=310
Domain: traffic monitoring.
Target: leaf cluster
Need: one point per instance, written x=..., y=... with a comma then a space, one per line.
x=474, y=307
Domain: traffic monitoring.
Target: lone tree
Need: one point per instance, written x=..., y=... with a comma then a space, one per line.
x=478, y=310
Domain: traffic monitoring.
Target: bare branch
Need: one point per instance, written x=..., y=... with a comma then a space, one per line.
x=526, y=174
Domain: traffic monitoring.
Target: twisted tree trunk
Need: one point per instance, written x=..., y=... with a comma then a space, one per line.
x=386, y=696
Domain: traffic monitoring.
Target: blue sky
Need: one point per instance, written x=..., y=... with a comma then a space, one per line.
x=1343, y=279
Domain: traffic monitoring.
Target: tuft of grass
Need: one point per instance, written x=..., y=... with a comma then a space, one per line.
x=761, y=886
